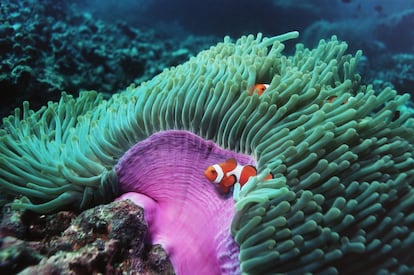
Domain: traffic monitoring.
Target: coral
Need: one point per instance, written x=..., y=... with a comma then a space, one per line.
x=342, y=195
x=393, y=69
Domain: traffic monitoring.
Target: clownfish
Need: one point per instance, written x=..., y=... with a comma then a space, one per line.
x=258, y=88
x=332, y=98
x=227, y=173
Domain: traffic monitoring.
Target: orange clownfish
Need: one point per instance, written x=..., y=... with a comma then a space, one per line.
x=258, y=88
x=332, y=98
x=226, y=174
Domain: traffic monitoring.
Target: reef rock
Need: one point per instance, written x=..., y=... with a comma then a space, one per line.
x=107, y=239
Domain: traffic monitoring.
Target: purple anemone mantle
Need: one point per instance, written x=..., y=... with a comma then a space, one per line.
x=186, y=214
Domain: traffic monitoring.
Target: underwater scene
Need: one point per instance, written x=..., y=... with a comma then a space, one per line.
x=207, y=137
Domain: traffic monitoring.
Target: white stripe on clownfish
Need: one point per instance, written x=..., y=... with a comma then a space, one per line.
x=220, y=173
x=236, y=172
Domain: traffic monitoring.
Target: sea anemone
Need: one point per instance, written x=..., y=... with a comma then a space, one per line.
x=342, y=196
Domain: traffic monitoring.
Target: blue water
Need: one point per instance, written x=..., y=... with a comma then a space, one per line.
x=383, y=21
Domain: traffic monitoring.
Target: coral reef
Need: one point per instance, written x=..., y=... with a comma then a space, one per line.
x=392, y=70
x=107, y=239
x=47, y=47
x=341, y=200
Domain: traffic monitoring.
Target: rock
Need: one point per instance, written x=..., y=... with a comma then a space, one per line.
x=107, y=239
x=11, y=224
x=16, y=254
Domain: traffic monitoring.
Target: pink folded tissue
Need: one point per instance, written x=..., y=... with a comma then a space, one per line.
x=186, y=214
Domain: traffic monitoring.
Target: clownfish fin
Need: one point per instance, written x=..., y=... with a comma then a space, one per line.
x=226, y=183
x=229, y=181
x=225, y=189
x=269, y=177
x=247, y=172
x=232, y=161
x=229, y=165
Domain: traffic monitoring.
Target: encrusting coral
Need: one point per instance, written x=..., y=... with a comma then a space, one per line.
x=342, y=197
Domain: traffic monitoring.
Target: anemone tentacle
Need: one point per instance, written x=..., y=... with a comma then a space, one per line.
x=343, y=168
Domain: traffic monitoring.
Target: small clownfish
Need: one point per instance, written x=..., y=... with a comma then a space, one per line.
x=258, y=88
x=226, y=174
x=332, y=98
